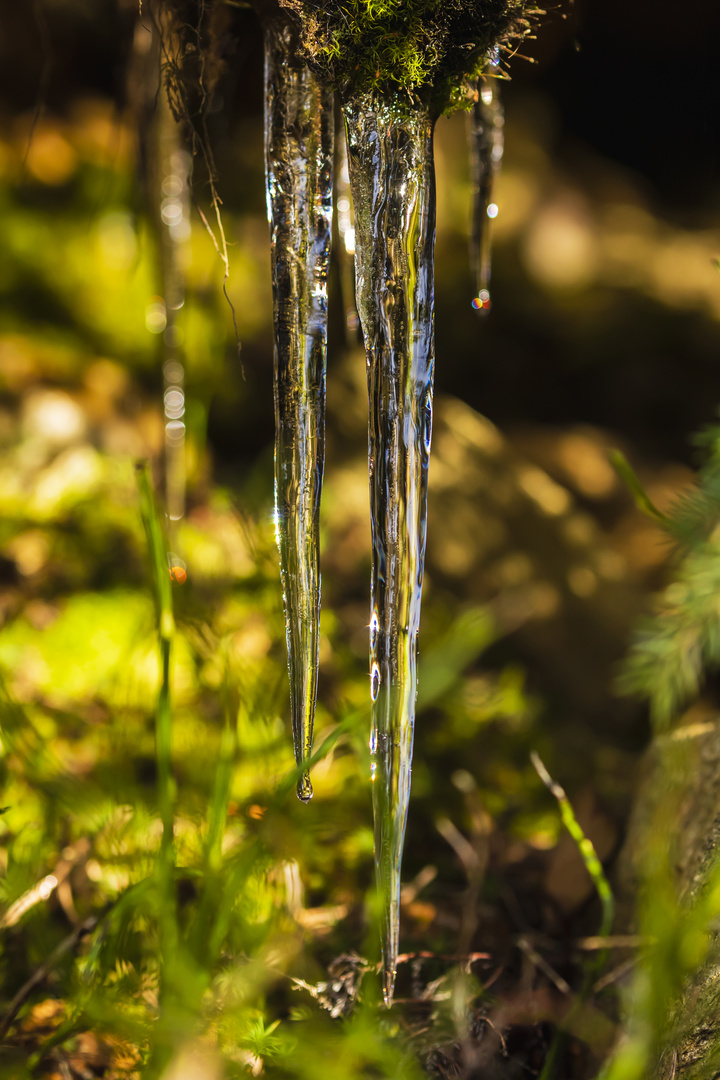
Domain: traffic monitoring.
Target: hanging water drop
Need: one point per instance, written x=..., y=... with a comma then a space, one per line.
x=390, y=151
x=299, y=128
x=486, y=151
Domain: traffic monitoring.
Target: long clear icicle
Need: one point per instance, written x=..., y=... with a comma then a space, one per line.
x=486, y=151
x=299, y=131
x=393, y=186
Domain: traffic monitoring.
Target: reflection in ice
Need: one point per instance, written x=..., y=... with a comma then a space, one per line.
x=346, y=231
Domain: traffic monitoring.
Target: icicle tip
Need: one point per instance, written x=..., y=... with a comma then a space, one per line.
x=304, y=788
x=389, y=986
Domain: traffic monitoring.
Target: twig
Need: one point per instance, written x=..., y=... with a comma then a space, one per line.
x=44, y=888
x=617, y=973
x=542, y=965
x=473, y=857
x=616, y=941
x=419, y=882
x=468, y=958
x=464, y=850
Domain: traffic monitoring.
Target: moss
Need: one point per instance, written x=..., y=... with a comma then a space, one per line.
x=410, y=48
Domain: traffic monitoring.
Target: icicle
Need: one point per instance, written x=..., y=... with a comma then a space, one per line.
x=486, y=151
x=393, y=185
x=165, y=171
x=174, y=169
x=299, y=132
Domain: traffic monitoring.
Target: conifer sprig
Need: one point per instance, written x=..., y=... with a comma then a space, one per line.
x=681, y=640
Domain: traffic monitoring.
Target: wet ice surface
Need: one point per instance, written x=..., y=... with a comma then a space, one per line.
x=299, y=131
x=486, y=151
x=346, y=231
x=393, y=187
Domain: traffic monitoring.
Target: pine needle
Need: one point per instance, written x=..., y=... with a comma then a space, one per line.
x=629, y=477
x=675, y=646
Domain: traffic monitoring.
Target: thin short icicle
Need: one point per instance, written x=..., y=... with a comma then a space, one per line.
x=175, y=164
x=393, y=185
x=299, y=133
x=486, y=151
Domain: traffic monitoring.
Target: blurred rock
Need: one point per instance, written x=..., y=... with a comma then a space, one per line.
x=673, y=837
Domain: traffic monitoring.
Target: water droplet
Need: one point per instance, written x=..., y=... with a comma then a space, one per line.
x=173, y=372
x=172, y=186
x=175, y=431
x=174, y=403
x=171, y=211
x=482, y=301
x=156, y=317
x=304, y=788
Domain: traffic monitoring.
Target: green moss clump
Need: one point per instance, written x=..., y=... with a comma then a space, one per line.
x=426, y=48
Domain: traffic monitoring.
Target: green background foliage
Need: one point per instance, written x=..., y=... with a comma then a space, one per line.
x=246, y=939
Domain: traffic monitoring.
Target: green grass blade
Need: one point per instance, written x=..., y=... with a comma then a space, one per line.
x=173, y=978
x=166, y=628
x=602, y=885
x=585, y=847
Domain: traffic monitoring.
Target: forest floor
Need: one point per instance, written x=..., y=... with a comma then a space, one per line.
x=250, y=946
